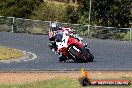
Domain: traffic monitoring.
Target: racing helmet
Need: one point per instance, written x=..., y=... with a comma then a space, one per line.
x=54, y=26
x=73, y=31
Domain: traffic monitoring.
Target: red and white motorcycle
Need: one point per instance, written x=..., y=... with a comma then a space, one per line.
x=71, y=48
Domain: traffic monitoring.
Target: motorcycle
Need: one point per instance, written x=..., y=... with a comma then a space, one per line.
x=71, y=48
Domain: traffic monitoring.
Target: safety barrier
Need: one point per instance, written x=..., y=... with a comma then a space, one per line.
x=20, y=25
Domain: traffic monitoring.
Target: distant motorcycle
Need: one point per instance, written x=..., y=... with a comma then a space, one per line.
x=72, y=48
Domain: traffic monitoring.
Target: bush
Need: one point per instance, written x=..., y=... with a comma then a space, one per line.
x=49, y=11
x=18, y=8
x=127, y=36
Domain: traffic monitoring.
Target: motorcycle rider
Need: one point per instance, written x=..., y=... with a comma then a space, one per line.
x=52, y=34
x=72, y=33
x=55, y=29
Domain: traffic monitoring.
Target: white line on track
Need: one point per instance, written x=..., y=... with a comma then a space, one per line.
x=28, y=56
x=34, y=56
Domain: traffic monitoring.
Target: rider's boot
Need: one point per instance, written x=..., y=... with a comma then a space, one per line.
x=62, y=58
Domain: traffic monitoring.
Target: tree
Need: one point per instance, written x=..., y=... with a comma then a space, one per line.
x=111, y=12
x=107, y=12
x=18, y=8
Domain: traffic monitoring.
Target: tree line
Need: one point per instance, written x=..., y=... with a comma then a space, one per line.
x=117, y=13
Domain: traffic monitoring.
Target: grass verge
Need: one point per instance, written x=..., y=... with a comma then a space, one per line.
x=9, y=53
x=63, y=82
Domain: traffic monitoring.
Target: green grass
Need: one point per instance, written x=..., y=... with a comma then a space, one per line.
x=59, y=83
x=9, y=53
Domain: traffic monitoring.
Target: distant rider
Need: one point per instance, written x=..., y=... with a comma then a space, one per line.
x=52, y=34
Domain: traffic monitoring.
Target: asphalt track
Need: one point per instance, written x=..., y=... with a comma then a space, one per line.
x=109, y=55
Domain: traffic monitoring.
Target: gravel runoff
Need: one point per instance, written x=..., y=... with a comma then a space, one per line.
x=31, y=76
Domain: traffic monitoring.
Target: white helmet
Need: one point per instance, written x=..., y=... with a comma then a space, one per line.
x=54, y=25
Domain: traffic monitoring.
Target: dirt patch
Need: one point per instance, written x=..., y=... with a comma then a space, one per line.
x=27, y=77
